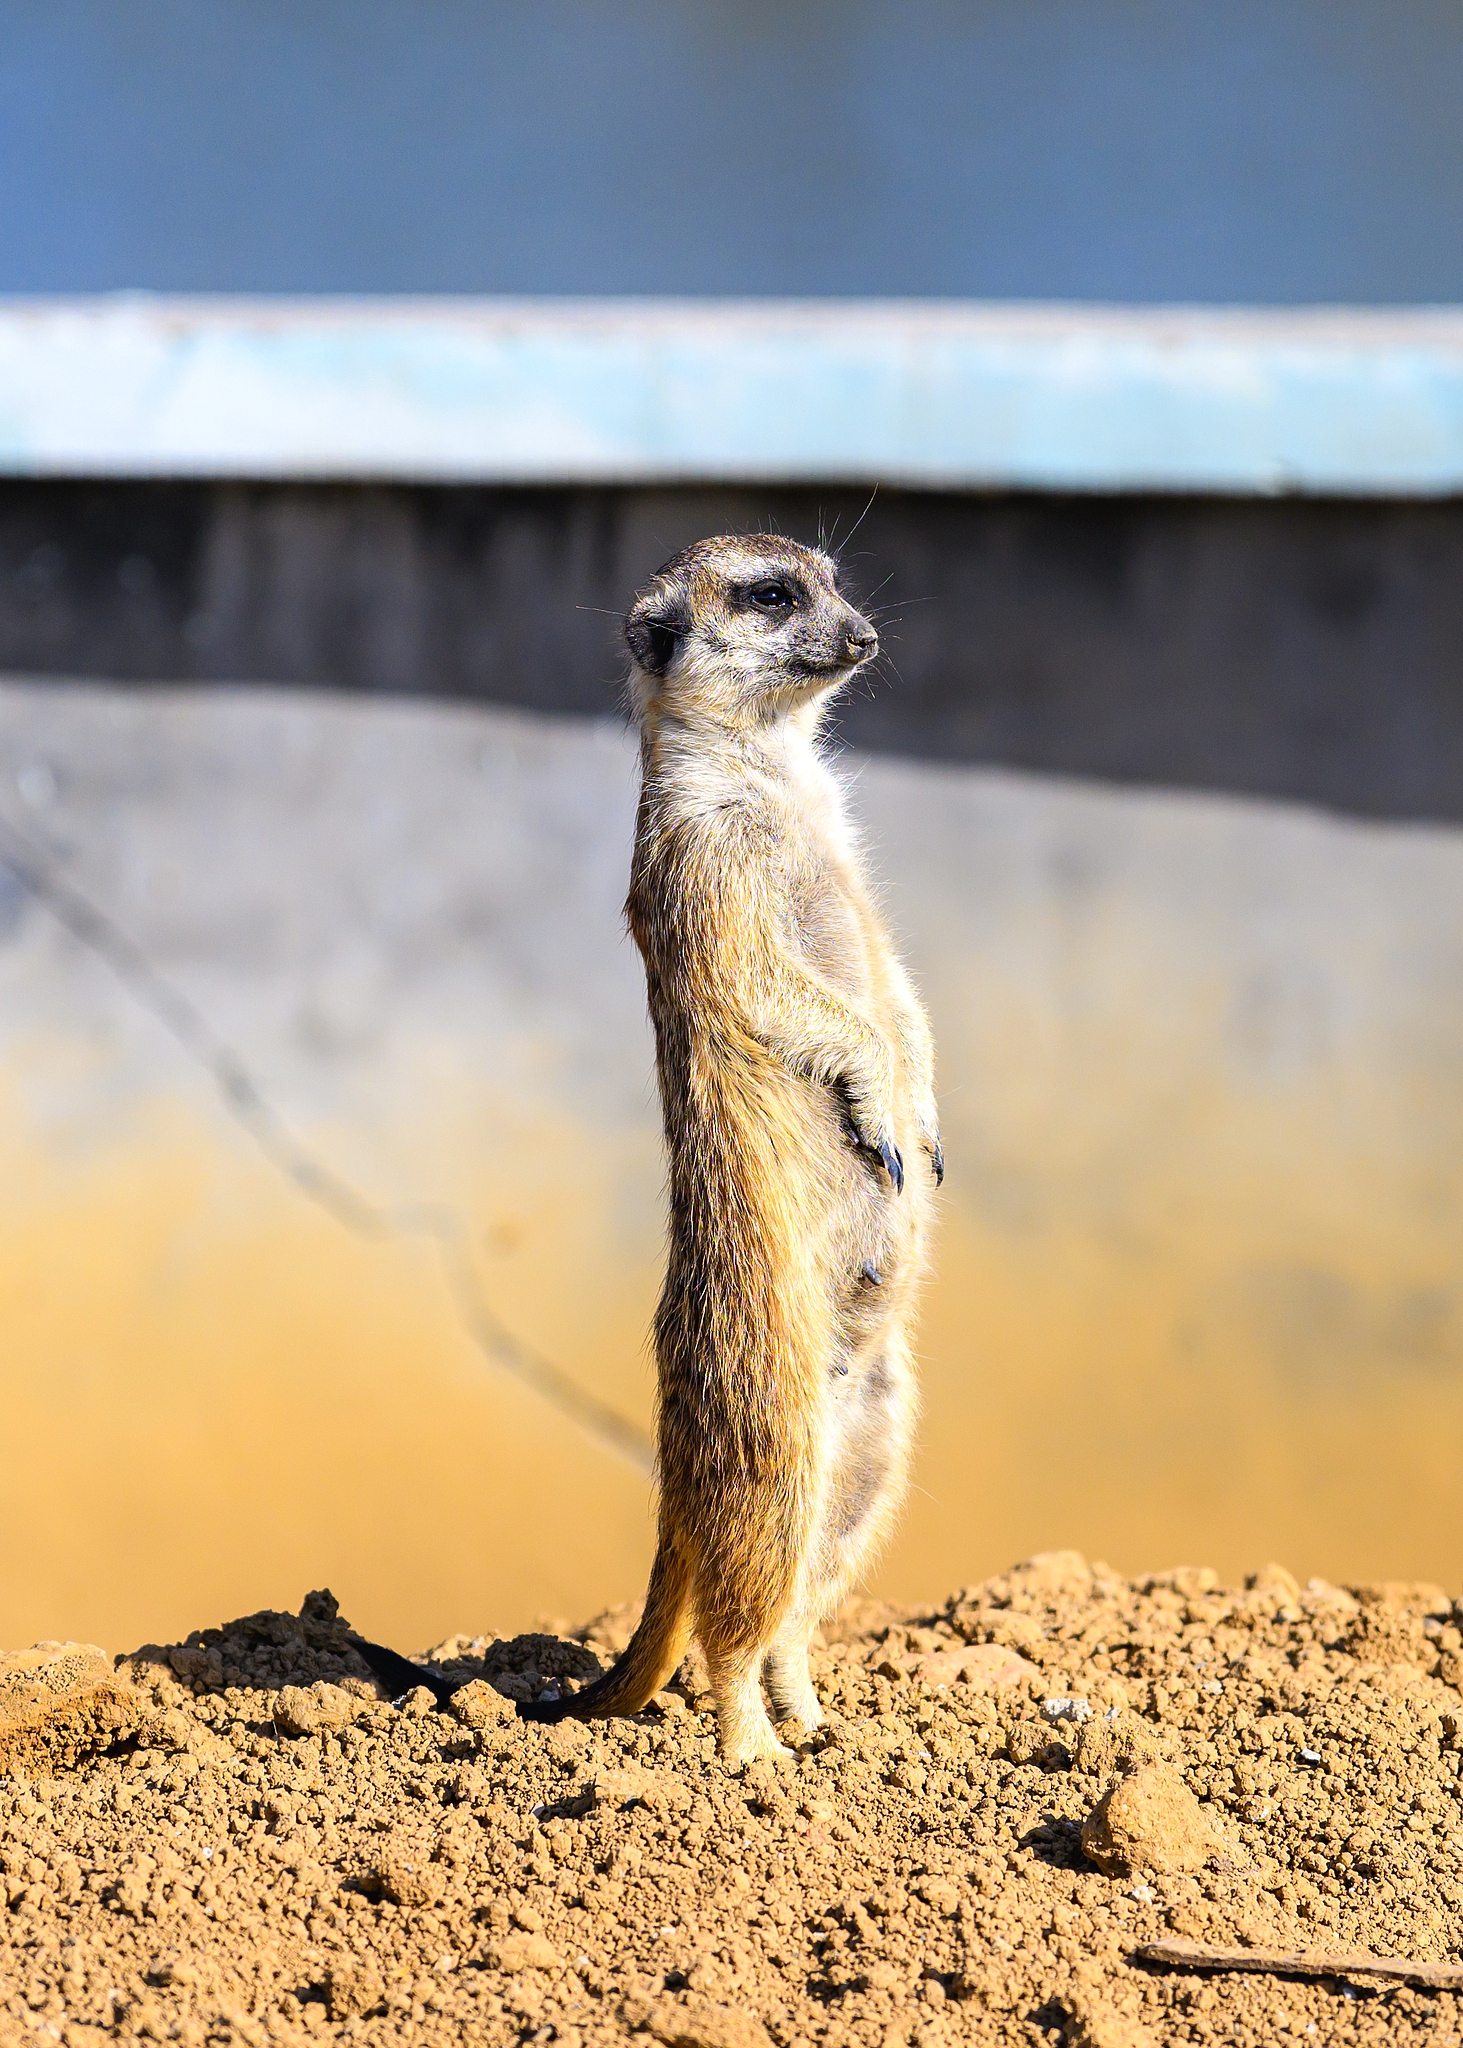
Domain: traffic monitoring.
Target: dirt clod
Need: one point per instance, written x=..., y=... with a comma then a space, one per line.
x=60, y=1702
x=352, y=1989
x=990, y=1664
x=480, y=1706
x=1149, y=1822
x=523, y=1952
x=406, y=1874
x=309, y=1710
x=1096, y=2022
x=693, y=2023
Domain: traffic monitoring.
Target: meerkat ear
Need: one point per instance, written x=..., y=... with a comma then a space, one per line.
x=652, y=632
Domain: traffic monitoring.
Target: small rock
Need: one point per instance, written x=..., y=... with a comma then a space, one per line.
x=661, y=1791
x=982, y=1664
x=1055, y=1571
x=513, y=1952
x=175, y=1970
x=1403, y=1596
x=169, y=1730
x=1067, y=1707
x=1274, y=1578
x=480, y=1706
x=1120, y=1741
x=178, y=1733
x=940, y=1893
x=566, y=1741
x=1032, y=1742
x=1384, y=1634
x=1150, y=1821
x=307, y=1710
x=60, y=1702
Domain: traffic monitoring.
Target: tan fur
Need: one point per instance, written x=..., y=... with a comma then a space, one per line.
x=791, y=1048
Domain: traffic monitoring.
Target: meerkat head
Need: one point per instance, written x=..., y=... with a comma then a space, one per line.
x=744, y=629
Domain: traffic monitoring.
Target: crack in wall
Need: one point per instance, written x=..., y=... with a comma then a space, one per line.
x=430, y=1222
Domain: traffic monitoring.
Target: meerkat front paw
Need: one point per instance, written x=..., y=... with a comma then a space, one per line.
x=929, y=1138
x=893, y=1163
x=872, y=1135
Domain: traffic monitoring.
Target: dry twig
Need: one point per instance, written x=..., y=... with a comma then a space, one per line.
x=1198, y=1955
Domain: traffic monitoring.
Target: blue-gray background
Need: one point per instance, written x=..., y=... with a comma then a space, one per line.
x=1278, y=151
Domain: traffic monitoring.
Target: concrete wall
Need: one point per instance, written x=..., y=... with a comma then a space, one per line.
x=1286, y=648
x=1263, y=151
x=327, y=1132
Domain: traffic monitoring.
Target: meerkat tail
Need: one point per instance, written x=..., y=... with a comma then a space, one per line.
x=654, y=1651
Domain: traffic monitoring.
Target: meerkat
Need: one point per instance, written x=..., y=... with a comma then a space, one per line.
x=796, y=1078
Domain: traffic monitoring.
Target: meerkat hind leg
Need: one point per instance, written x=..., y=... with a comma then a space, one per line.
x=868, y=1480
x=743, y=1729
x=789, y=1683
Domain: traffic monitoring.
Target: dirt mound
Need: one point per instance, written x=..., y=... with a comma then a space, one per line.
x=278, y=1854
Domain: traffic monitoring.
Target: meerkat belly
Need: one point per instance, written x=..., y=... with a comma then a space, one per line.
x=870, y=1235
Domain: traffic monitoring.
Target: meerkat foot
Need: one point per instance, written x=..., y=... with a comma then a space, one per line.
x=744, y=1732
x=753, y=1747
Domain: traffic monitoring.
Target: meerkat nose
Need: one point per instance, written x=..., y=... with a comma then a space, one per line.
x=861, y=640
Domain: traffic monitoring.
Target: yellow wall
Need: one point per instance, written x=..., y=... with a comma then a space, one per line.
x=1196, y=1297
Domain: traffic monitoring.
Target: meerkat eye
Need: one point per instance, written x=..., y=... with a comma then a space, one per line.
x=771, y=597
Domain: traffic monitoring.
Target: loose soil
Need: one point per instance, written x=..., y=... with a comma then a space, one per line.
x=1016, y=1790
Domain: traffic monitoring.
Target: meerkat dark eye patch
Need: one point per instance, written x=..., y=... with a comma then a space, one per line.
x=772, y=596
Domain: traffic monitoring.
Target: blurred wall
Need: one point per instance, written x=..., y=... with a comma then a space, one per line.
x=327, y=1121
x=1291, y=648
x=1267, y=151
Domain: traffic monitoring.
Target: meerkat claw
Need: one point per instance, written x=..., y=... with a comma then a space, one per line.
x=937, y=1161
x=893, y=1164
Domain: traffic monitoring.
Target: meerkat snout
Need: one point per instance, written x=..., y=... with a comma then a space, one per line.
x=861, y=640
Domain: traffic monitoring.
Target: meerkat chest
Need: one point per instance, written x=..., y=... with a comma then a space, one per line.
x=824, y=900
x=826, y=925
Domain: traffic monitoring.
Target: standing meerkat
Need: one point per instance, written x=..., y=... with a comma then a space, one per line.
x=796, y=1079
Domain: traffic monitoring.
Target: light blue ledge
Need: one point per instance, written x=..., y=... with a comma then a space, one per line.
x=928, y=394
